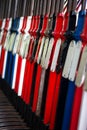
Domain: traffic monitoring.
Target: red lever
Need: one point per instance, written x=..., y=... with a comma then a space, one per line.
x=45, y=21
x=2, y=42
x=84, y=33
x=7, y=23
x=58, y=27
x=5, y=31
x=0, y=23
x=32, y=24
x=24, y=24
x=36, y=25
x=66, y=21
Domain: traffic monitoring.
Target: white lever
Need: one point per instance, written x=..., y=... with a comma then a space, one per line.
x=50, y=47
x=69, y=59
x=41, y=49
x=81, y=71
x=44, y=52
x=75, y=61
x=56, y=55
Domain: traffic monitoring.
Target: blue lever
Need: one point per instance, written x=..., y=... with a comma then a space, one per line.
x=15, y=25
x=10, y=57
x=71, y=87
x=80, y=25
x=68, y=106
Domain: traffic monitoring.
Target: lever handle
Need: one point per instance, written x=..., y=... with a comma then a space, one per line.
x=52, y=10
x=44, y=7
x=69, y=5
x=83, y=4
x=9, y=8
x=61, y=6
x=48, y=7
x=32, y=7
x=74, y=5
x=57, y=7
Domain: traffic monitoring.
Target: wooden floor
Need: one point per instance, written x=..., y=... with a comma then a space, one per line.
x=9, y=118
